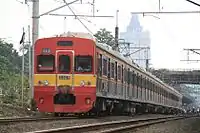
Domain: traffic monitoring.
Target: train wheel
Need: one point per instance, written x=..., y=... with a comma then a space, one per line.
x=56, y=114
x=62, y=114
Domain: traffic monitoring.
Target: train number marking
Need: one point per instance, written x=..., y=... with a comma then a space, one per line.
x=64, y=77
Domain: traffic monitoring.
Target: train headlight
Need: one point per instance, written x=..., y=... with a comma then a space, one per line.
x=45, y=82
x=82, y=83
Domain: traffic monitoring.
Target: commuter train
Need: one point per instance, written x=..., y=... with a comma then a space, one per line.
x=75, y=74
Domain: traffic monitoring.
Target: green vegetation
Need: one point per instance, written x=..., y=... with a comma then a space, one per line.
x=10, y=75
x=104, y=36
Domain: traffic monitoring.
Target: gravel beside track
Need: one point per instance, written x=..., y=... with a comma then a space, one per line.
x=189, y=125
x=43, y=125
x=30, y=119
x=8, y=110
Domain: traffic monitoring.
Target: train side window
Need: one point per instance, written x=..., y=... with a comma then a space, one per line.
x=64, y=63
x=109, y=71
x=125, y=80
x=105, y=66
x=146, y=84
x=131, y=77
x=122, y=74
x=119, y=72
x=134, y=78
x=128, y=76
x=142, y=81
x=45, y=63
x=100, y=65
x=112, y=70
x=137, y=80
x=116, y=71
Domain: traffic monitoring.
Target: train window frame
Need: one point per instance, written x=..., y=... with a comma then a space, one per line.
x=92, y=63
x=39, y=63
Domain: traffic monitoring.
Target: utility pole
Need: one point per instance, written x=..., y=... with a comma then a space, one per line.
x=117, y=33
x=23, y=67
x=93, y=5
x=159, y=5
x=35, y=34
x=29, y=56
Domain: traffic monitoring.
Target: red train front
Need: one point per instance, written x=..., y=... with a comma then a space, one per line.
x=64, y=74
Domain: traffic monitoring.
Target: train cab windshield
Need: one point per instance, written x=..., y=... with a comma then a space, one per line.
x=83, y=63
x=64, y=63
x=45, y=63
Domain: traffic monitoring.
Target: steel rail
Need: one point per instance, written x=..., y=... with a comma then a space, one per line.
x=131, y=126
x=111, y=127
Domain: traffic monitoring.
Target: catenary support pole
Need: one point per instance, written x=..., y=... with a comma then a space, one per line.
x=22, y=70
x=29, y=60
x=35, y=34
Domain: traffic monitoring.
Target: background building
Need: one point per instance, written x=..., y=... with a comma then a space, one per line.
x=139, y=40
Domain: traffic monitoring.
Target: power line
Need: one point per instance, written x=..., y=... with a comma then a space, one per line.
x=66, y=4
x=167, y=12
x=78, y=18
x=193, y=2
x=80, y=15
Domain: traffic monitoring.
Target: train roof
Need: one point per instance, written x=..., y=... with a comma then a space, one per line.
x=78, y=34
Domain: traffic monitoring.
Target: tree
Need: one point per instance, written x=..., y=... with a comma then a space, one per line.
x=104, y=36
x=10, y=74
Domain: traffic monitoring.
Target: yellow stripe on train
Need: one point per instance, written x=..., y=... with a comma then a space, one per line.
x=64, y=79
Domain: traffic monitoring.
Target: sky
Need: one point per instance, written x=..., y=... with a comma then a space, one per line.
x=169, y=34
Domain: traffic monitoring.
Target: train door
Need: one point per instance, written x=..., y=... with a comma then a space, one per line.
x=65, y=76
x=65, y=68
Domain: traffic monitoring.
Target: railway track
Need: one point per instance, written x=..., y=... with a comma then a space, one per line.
x=112, y=127
x=31, y=119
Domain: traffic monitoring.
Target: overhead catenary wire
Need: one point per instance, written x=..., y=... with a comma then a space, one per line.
x=78, y=18
x=168, y=12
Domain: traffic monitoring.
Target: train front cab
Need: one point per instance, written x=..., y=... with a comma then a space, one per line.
x=65, y=80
